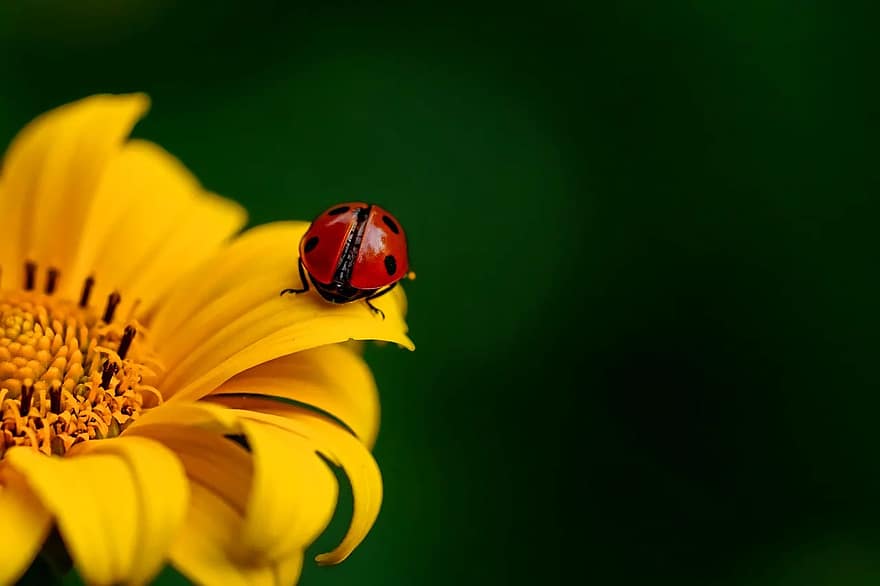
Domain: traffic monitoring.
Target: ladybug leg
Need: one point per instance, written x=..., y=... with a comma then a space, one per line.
x=302, y=277
x=372, y=307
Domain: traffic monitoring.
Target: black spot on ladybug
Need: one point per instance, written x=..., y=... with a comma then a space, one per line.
x=337, y=211
x=391, y=224
x=311, y=243
x=390, y=264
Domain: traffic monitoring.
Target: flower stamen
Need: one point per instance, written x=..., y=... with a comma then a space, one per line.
x=125, y=342
x=107, y=372
x=51, y=280
x=30, y=275
x=67, y=373
x=112, y=302
x=27, y=396
x=86, y=292
x=55, y=397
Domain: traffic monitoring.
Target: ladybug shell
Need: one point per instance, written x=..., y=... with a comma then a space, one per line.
x=382, y=257
x=355, y=245
x=324, y=242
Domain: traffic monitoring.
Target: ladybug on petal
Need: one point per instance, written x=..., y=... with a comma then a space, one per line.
x=353, y=251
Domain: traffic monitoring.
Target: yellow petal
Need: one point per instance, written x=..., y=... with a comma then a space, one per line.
x=164, y=496
x=107, y=501
x=346, y=451
x=50, y=173
x=100, y=533
x=211, y=549
x=202, y=415
x=332, y=378
x=152, y=223
x=75, y=196
x=209, y=458
x=293, y=494
x=286, y=493
x=253, y=269
x=247, y=256
x=26, y=524
x=244, y=322
x=205, y=546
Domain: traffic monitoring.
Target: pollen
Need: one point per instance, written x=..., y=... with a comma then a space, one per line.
x=69, y=373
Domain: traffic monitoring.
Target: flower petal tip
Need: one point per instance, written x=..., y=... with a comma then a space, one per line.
x=141, y=99
x=330, y=559
x=137, y=103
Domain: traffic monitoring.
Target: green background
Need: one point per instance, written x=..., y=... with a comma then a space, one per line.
x=645, y=243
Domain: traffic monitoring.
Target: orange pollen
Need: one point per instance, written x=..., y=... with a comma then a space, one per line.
x=68, y=374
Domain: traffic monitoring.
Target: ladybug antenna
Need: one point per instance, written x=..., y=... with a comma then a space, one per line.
x=411, y=275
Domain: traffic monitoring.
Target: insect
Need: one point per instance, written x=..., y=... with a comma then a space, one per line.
x=353, y=251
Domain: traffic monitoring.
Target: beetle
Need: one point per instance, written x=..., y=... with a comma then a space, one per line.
x=353, y=251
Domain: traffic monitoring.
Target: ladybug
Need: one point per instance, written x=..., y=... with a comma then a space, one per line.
x=353, y=251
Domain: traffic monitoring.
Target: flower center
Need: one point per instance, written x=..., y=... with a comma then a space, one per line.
x=68, y=374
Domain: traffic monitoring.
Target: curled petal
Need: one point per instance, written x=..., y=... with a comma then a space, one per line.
x=292, y=492
x=257, y=509
x=209, y=458
x=333, y=378
x=203, y=546
x=346, y=451
x=293, y=495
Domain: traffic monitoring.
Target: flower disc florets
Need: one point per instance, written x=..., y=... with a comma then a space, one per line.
x=68, y=374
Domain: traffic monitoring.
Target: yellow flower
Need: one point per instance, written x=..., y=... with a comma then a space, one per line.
x=155, y=388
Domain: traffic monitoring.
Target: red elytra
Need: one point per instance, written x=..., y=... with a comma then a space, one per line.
x=353, y=251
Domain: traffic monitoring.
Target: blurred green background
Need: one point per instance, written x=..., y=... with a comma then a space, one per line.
x=645, y=241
